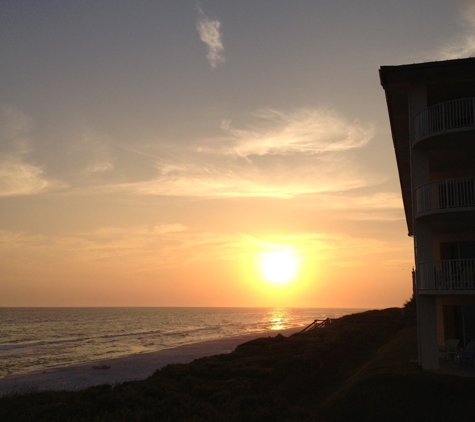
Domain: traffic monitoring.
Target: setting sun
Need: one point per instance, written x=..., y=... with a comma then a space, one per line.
x=279, y=267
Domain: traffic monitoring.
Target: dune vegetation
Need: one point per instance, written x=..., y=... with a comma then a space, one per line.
x=356, y=369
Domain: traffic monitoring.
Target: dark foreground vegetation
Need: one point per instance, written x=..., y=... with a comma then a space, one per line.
x=356, y=369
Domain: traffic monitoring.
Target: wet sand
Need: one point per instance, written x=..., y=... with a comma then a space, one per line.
x=128, y=368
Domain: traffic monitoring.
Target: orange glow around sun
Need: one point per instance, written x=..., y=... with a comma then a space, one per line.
x=279, y=267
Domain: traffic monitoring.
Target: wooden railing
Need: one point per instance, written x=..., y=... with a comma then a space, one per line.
x=444, y=116
x=318, y=323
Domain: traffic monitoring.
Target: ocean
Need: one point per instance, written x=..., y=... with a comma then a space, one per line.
x=33, y=339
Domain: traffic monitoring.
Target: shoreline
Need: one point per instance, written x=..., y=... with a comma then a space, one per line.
x=123, y=369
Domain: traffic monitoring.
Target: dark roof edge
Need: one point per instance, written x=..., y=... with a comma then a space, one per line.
x=383, y=70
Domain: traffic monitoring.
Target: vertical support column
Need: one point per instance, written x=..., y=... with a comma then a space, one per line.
x=424, y=252
x=424, y=243
x=427, y=327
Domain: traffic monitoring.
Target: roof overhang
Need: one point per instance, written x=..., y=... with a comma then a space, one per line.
x=397, y=82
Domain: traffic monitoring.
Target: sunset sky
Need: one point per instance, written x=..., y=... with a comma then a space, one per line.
x=156, y=153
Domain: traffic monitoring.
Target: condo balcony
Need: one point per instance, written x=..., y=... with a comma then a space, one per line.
x=454, y=276
x=444, y=118
x=445, y=196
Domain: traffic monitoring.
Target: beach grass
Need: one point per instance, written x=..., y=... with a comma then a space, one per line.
x=357, y=369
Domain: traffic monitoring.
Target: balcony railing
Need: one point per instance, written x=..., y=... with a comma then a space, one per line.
x=449, y=274
x=444, y=116
x=444, y=194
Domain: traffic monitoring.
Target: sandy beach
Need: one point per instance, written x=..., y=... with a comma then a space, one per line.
x=128, y=368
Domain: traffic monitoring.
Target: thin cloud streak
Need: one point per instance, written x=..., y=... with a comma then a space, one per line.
x=100, y=162
x=20, y=178
x=15, y=128
x=306, y=131
x=286, y=155
x=380, y=206
x=175, y=245
x=231, y=179
x=209, y=32
x=464, y=45
x=97, y=152
x=196, y=181
x=17, y=176
x=375, y=201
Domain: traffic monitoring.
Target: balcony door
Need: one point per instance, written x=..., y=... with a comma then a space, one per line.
x=457, y=250
x=459, y=322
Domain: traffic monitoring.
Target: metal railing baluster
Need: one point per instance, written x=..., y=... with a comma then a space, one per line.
x=444, y=194
x=444, y=116
x=448, y=274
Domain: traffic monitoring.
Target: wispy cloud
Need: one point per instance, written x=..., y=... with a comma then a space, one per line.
x=15, y=129
x=283, y=155
x=357, y=206
x=241, y=179
x=176, y=245
x=156, y=246
x=94, y=150
x=209, y=32
x=360, y=201
x=463, y=45
x=308, y=131
x=20, y=178
x=17, y=175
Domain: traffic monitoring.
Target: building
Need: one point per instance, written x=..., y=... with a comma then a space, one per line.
x=432, y=116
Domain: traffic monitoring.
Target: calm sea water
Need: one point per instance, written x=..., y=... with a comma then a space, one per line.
x=33, y=339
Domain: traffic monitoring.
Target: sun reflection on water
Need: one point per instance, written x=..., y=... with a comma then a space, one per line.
x=278, y=319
